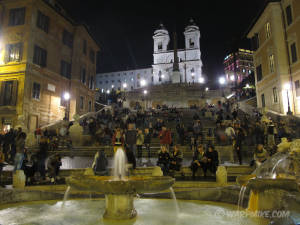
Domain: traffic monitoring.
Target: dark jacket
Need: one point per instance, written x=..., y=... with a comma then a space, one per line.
x=147, y=138
x=214, y=156
x=163, y=157
x=130, y=137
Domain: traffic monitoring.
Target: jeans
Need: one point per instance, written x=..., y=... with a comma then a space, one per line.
x=18, y=161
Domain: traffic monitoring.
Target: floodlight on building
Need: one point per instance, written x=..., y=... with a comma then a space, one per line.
x=162, y=76
x=66, y=96
x=287, y=86
x=232, y=78
x=222, y=80
x=108, y=91
x=145, y=92
x=201, y=80
x=102, y=90
x=112, y=86
x=143, y=83
x=124, y=85
x=247, y=86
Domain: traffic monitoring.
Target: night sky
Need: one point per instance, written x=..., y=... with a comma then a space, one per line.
x=124, y=29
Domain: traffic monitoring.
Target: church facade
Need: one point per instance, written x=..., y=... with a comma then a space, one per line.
x=189, y=61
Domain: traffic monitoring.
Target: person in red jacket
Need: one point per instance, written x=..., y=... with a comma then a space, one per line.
x=165, y=137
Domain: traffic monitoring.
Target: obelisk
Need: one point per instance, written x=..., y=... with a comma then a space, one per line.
x=175, y=78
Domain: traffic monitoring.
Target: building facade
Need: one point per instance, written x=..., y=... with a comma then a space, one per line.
x=276, y=39
x=190, y=64
x=45, y=57
x=238, y=66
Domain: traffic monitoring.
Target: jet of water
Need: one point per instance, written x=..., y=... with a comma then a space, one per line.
x=119, y=170
x=66, y=196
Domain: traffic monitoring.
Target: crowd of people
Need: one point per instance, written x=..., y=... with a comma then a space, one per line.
x=136, y=130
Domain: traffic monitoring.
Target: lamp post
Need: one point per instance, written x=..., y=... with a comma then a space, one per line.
x=287, y=87
x=145, y=97
x=67, y=99
x=222, y=81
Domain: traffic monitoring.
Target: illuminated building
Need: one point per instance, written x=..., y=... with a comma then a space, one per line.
x=276, y=38
x=237, y=66
x=44, y=55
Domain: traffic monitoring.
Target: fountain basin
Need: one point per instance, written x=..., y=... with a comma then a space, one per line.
x=119, y=194
x=129, y=185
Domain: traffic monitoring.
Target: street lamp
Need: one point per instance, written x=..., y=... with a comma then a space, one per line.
x=287, y=87
x=145, y=92
x=232, y=78
x=108, y=91
x=124, y=85
x=201, y=80
x=222, y=81
x=206, y=89
x=143, y=83
x=67, y=98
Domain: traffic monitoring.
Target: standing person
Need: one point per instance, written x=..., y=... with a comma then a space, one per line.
x=2, y=160
x=38, y=134
x=212, y=159
x=20, y=148
x=229, y=131
x=42, y=156
x=147, y=142
x=239, y=137
x=130, y=138
x=199, y=161
x=139, y=145
x=163, y=160
x=165, y=137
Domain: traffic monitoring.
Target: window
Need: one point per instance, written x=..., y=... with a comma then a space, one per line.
x=191, y=42
x=36, y=89
x=138, y=84
x=65, y=69
x=263, y=103
x=42, y=22
x=255, y=42
x=159, y=76
x=67, y=38
x=40, y=56
x=90, y=106
x=91, y=83
x=92, y=56
x=13, y=52
x=16, y=17
x=259, y=73
x=294, y=53
x=81, y=102
x=83, y=75
x=275, y=95
x=271, y=63
x=9, y=93
x=100, y=82
x=159, y=46
x=289, y=17
x=152, y=79
x=84, y=47
x=297, y=87
x=268, y=30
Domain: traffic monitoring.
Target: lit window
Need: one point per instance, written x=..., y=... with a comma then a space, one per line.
x=36, y=90
x=275, y=96
x=268, y=30
x=13, y=52
x=271, y=62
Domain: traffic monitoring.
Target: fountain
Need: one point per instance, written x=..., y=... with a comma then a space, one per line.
x=270, y=183
x=119, y=189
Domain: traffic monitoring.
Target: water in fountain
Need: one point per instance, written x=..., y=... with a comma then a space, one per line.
x=119, y=170
x=241, y=197
x=174, y=200
x=66, y=195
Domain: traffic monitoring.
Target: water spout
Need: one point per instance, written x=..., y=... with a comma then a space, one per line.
x=241, y=197
x=175, y=201
x=120, y=160
x=273, y=174
x=66, y=195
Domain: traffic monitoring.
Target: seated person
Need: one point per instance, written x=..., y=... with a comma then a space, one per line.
x=199, y=161
x=163, y=160
x=53, y=165
x=100, y=164
x=176, y=158
x=212, y=159
x=260, y=155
